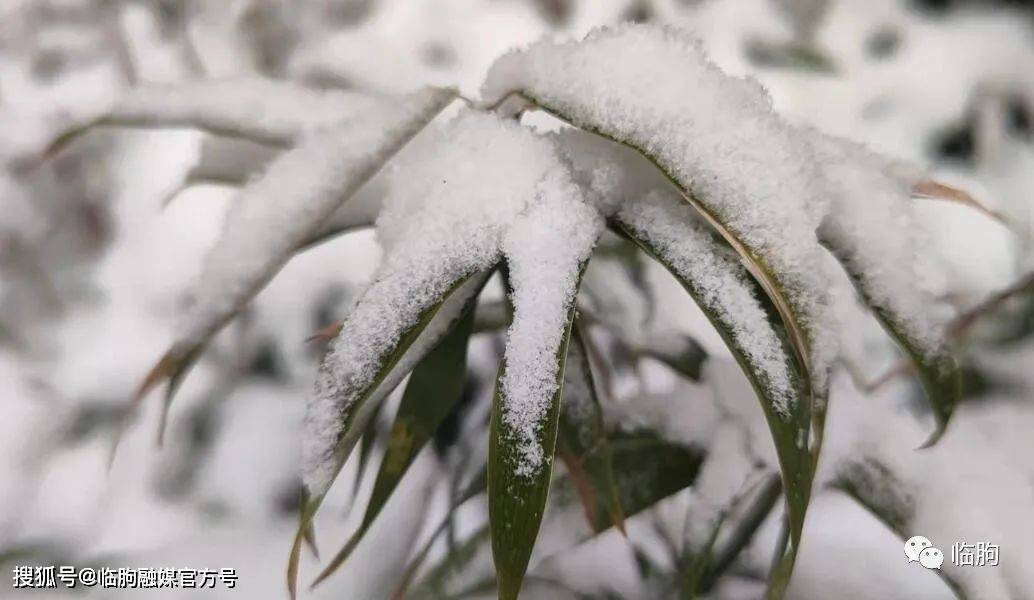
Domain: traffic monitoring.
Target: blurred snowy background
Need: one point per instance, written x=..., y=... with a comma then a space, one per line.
x=98, y=244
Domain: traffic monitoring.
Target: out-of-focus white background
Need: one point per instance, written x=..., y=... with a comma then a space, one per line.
x=93, y=269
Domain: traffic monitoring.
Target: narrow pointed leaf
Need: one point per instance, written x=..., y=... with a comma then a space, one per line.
x=433, y=323
x=517, y=499
x=871, y=232
x=647, y=469
x=434, y=388
x=275, y=214
x=547, y=249
x=734, y=305
x=714, y=137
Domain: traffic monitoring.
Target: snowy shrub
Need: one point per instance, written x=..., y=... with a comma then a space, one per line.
x=665, y=154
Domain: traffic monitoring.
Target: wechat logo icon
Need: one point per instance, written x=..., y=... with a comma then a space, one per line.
x=921, y=550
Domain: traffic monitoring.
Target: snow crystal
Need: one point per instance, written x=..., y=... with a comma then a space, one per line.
x=545, y=249
x=719, y=283
x=283, y=208
x=447, y=214
x=273, y=111
x=716, y=135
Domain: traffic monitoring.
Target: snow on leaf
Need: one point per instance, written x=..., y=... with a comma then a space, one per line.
x=448, y=214
x=546, y=249
x=731, y=300
x=713, y=135
x=434, y=388
x=283, y=209
x=666, y=228
x=876, y=487
x=872, y=232
x=334, y=427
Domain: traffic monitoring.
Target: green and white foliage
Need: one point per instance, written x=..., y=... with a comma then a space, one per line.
x=678, y=160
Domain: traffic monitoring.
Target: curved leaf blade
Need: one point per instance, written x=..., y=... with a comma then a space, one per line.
x=273, y=216
x=787, y=407
x=416, y=342
x=434, y=388
x=516, y=502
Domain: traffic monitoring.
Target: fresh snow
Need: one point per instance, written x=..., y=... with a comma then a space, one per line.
x=545, y=250
x=654, y=88
x=872, y=228
x=719, y=282
x=454, y=208
x=276, y=213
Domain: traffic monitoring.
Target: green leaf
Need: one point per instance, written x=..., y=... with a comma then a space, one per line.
x=791, y=437
x=790, y=434
x=395, y=365
x=434, y=388
x=517, y=501
x=938, y=371
x=583, y=444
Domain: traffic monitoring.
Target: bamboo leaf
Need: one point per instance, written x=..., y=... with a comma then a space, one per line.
x=786, y=404
x=937, y=369
x=434, y=388
x=516, y=501
x=273, y=216
x=583, y=444
x=433, y=324
x=752, y=258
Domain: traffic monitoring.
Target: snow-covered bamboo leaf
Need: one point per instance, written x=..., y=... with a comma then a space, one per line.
x=283, y=209
x=266, y=111
x=394, y=325
x=583, y=444
x=735, y=306
x=871, y=231
x=434, y=388
x=746, y=171
x=546, y=251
